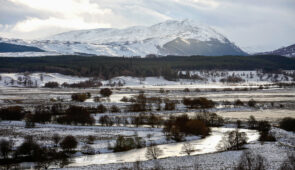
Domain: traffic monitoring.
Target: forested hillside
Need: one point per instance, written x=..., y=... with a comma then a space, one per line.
x=7, y=47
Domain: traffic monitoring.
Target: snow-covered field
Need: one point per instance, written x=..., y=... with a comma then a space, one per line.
x=273, y=104
x=36, y=79
x=16, y=131
x=208, y=79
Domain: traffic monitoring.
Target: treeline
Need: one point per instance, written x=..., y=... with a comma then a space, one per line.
x=107, y=67
x=73, y=115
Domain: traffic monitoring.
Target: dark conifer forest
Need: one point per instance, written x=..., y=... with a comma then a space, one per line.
x=107, y=67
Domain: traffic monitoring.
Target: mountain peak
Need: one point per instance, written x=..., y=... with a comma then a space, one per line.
x=172, y=37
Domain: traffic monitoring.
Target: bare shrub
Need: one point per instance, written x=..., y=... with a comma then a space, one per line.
x=114, y=109
x=69, y=143
x=186, y=90
x=169, y=105
x=51, y=85
x=252, y=103
x=80, y=97
x=153, y=152
x=101, y=108
x=56, y=138
x=238, y=102
x=187, y=148
x=90, y=139
x=106, y=92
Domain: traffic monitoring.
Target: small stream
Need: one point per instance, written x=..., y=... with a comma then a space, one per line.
x=202, y=146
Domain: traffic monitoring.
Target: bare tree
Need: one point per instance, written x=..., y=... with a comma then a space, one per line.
x=233, y=140
x=187, y=148
x=153, y=152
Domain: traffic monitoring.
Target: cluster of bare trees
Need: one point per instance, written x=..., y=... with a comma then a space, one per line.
x=127, y=143
x=198, y=103
x=263, y=127
x=176, y=128
x=232, y=79
x=44, y=156
x=80, y=97
x=233, y=140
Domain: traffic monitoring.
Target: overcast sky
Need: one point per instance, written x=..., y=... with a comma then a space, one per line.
x=257, y=25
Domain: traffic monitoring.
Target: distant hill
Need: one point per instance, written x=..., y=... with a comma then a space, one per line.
x=11, y=48
x=285, y=51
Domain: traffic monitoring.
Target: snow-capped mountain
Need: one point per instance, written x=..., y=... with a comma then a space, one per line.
x=285, y=51
x=185, y=37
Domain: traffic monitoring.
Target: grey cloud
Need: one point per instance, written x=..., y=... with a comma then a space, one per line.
x=11, y=13
x=267, y=24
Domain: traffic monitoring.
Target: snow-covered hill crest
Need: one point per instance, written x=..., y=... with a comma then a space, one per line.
x=164, y=32
x=284, y=51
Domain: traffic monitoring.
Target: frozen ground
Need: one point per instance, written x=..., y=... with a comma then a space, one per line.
x=268, y=114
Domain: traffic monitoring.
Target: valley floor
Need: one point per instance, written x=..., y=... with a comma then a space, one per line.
x=272, y=104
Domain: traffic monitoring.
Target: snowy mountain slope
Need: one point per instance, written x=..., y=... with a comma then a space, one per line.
x=196, y=39
x=285, y=51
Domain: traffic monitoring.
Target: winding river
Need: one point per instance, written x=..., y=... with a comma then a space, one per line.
x=202, y=146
